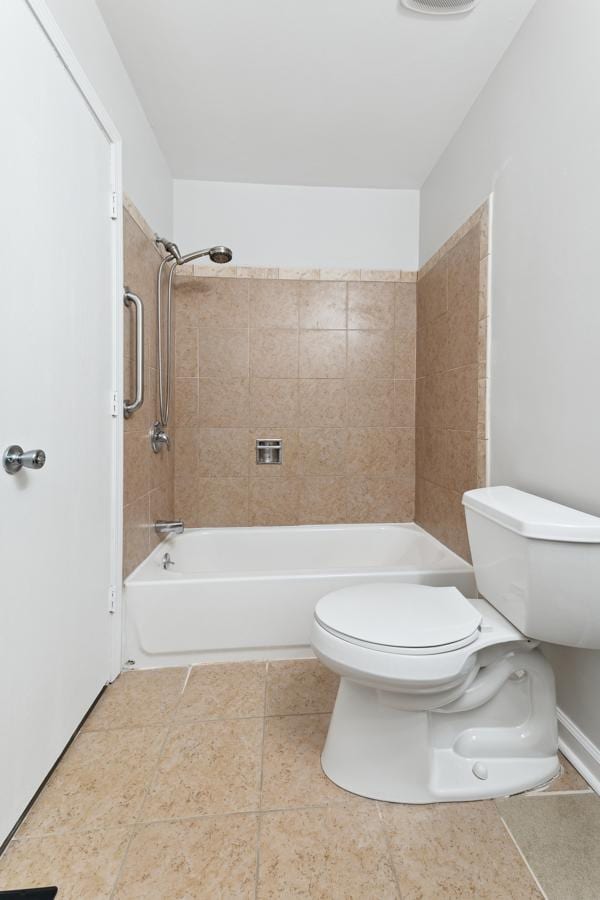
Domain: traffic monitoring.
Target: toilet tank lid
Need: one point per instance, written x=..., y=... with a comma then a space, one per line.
x=533, y=517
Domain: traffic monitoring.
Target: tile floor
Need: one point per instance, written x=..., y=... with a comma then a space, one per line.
x=206, y=783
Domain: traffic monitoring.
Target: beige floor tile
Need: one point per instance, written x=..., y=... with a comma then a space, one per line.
x=224, y=691
x=83, y=866
x=568, y=780
x=207, y=768
x=292, y=774
x=198, y=858
x=300, y=686
x=100, y=782
x=443, y=851
x=325, y=854
x=138, y=698
x=558, y=835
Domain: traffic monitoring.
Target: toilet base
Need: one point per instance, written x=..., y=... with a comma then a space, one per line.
x=508, y=745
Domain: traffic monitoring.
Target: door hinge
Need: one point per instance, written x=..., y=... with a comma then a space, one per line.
x=114, y=208
x=114, y=405
x=112, y=599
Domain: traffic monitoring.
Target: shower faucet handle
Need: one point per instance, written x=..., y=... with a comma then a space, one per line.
x=159, y=438
x=15, y=458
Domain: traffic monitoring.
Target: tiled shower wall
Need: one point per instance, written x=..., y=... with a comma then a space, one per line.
x=452, y=324
x=148, y=478
x=324, y=361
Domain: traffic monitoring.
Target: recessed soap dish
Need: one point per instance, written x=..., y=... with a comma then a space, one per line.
x=269, y=452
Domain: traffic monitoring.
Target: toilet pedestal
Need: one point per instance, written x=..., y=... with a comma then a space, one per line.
x=504, y=745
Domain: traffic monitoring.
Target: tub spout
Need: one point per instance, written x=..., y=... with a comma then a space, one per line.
x=162, y=527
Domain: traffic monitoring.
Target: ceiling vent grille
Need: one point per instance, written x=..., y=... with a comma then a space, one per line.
x=440, y=7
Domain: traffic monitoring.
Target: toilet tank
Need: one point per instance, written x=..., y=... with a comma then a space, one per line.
x=537, y=563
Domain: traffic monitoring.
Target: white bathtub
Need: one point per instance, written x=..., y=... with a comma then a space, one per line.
x=249, y=593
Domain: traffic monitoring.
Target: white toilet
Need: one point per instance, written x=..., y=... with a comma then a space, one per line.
x=443, y=698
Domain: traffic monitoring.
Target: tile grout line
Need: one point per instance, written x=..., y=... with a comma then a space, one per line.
x=524, y=858
x=386, y=838
x=260, y=786
x=135, y=828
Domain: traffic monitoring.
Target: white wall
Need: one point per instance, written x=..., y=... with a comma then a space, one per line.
x=146, y=175
x=533, y=137
x=291, y=226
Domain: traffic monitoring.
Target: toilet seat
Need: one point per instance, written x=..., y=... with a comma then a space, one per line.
x=408, y=619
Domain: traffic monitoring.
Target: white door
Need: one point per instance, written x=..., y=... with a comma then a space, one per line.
x=57, y=246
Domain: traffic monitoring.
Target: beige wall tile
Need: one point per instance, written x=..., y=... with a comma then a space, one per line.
x=136, y=466
x=460, y=398
x=463, y=271
x=322, y=354
x=482, y=348
x=186, y=401
x=300, y=274
x=222, y=354
x=223, y=402
x=405, y=354
x=432, y=293
x=273, y=304
x=274, y=353
x=370, y=354
x=406, y=307
x=371, y=403
x=404, y=403
x=222, y=502
x=322, y=451
x=186, y=499
x=221, y=303
x=136, y=533
x=380, y=451
x=186, y=353
x=371, y=305
x=274, y=501
x=222, y=452
x=322, y=402
x=380, y=500
x=382, y=275
x=483, y=287
x=322, y=305
x=273, y=402
x=322, y=500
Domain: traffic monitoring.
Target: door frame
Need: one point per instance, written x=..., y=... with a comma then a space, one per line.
x=114, y=403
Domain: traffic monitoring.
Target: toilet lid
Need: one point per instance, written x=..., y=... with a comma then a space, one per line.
x=411, y=616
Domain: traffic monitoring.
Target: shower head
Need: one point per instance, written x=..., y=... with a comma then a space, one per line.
x=217, y=255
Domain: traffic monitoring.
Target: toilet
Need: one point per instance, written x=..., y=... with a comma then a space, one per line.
x=444, y=698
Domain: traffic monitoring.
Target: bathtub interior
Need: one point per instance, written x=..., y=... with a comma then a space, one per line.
x=250, y=593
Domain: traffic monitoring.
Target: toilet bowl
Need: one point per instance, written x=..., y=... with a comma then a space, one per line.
x=444, y=698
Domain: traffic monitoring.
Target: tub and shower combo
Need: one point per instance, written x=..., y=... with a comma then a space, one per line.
x=214, y=594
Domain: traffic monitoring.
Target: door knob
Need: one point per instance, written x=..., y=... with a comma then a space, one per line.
x=15, y=458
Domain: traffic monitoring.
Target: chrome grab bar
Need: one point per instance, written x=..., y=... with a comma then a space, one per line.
x=131, y=406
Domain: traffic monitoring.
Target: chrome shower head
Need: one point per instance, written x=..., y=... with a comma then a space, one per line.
x=220, y=255
x=217, y=255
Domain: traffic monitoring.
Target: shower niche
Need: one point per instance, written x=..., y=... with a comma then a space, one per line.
x=269, y=452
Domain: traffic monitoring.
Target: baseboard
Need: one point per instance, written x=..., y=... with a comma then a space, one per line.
x=579, y=750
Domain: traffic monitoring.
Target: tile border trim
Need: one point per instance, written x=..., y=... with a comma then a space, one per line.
x=394, y=276
x=480, y=216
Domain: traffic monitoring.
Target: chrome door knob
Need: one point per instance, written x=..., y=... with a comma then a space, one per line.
x=15, y=458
